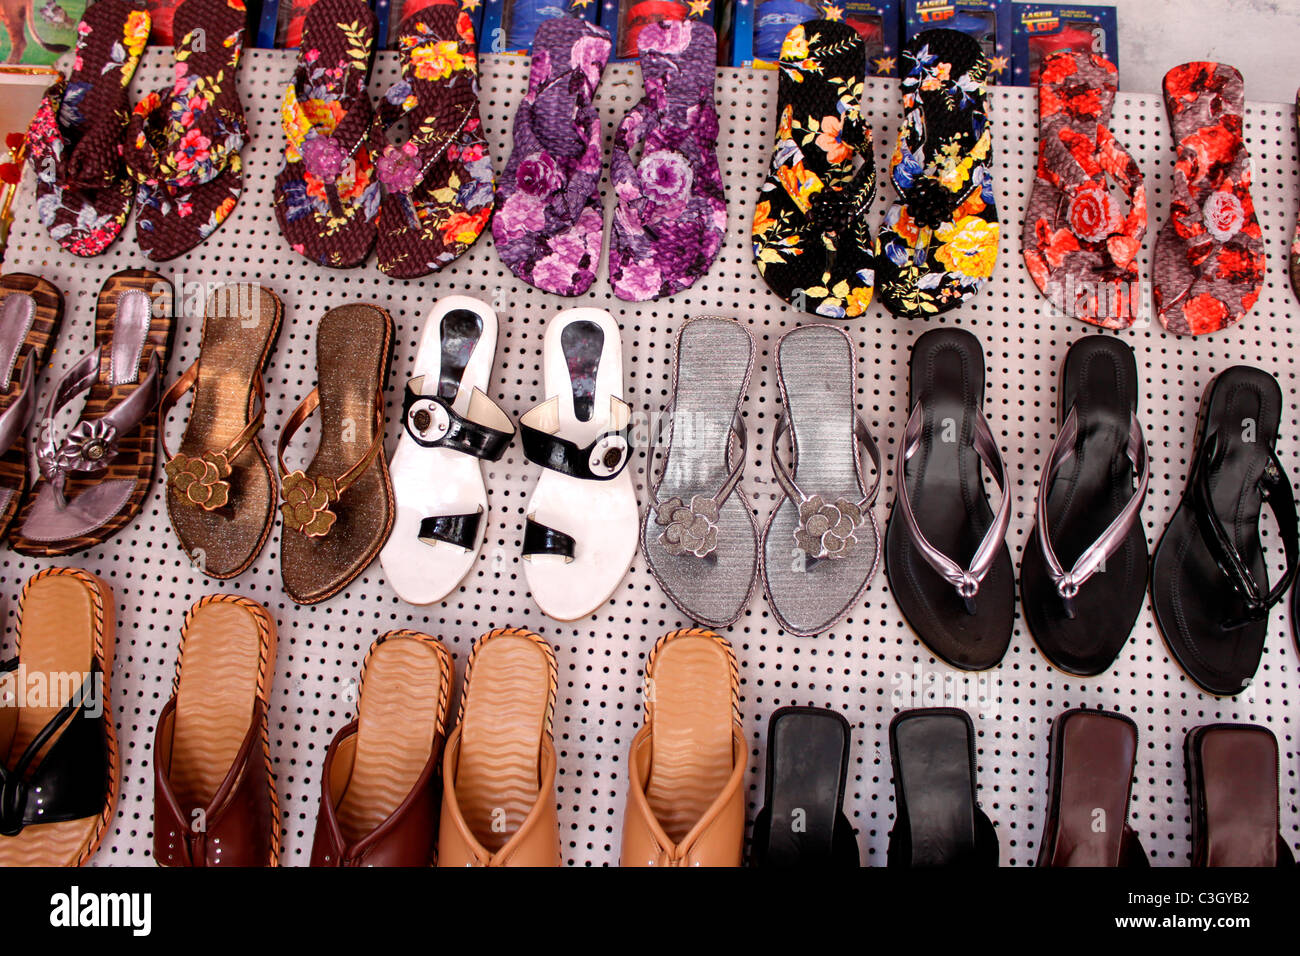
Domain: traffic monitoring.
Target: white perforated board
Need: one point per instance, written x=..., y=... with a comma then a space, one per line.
x=863, y=667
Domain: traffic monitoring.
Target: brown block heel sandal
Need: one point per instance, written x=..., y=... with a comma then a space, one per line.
x=498, y=772
x=379, y=784
x=31, y=311
x=338, y=511
x=95, y=478
x=214, y=790
x=58, y=747
x=686, y=799
x=221, y=489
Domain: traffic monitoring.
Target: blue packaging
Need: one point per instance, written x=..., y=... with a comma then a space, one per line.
x=1038, y=29
x=761, y=28
x=988, y=21
x=625, y=18
x=508, y=25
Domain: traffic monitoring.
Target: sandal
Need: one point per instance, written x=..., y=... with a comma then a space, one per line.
x=1083, y=574
x=1209, y=578
x=450, y=427
x=59, y=765
x=182, y=143
x=94, y=480
x=821, y=544
x=220, y=484
x=338, y=510
x=438, y=184
x=327, y=194
x=581, y=530
x=31, y=311
x=83, y=195
x=946, y=555
x=699, y=535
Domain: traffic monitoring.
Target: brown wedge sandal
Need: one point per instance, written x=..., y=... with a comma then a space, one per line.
x=221, y=489
x=498, y=772
x=59, y=773
x=338, y=511
x=379, y=784
x=94, y=480
x=214, y=790
x=31, y=311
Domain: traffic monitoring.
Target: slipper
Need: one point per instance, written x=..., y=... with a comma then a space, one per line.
x=59, y=763
x=581, y=530
x=182, y=143
x=498, y=768
x=220, y=485
x=450, y=427
x=687, y=763
x=811, y=234
x=94, y=479
x=83, y=195
x=338, y=510
x=327, y=192
x=1083, y=574
x=699, y=535
x=1208, y=265
x=1090, y=778
x=214, y=789
x=549, y=221
x=802, y=823
x=380, y=779
x=939, y=241
x=671, y=217
x=946, y=554
x=31, y=311
x=438, y=184
x=937, y=821
x=1079, y=247
x=1209, y=578
x=821, y=544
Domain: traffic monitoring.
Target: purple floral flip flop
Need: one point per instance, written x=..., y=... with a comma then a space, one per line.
x=549, y=222
x=672, y=214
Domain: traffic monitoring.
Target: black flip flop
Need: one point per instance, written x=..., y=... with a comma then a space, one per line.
x=807, y=767
x=945, y=548
x=1082, y=585
x=937, y=822
x=1209, y=579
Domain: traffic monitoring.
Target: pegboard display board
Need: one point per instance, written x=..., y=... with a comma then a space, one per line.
x=867, y=667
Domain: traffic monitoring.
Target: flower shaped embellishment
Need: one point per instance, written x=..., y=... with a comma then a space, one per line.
x=827, y=530
x=89, y=447
x=307, y=503
x=399, y=167
x=1094, y=214
x=1223, y=214
x=323, y=157
x=201, y=481
x=689, y=529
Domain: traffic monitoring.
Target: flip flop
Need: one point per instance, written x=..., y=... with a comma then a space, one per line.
x=946, y=555
x=94, y=480
x=549, y=219
x=1209, y=579
x=83, y=195
x=938, y=821
x=802, y=823
x=1232, y=776
x=338, y=510
x=212, y=755
x=59, y=763
x=699, y=535
x=1090, y=778
x=438, y=184
x=1083, y=583
x=581, y=530
x=821, y=544
x=31, y=311
x=220, y=485
x=379, y=783
x=451, y=427
x=182, y=143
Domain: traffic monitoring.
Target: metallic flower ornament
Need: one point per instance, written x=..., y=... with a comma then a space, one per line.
x=827, y=530
x=201, y=481
x=307, y=503
x=689, y=529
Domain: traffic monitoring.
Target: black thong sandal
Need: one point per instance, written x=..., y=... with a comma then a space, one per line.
x=1084, y=570
x=802, y=822
x=1209, y=580
x=946, y=556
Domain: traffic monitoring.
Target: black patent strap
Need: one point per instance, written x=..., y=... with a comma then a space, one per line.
x=539, y=539
x=604, y=459
x=453, y=431
x=460, y=530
